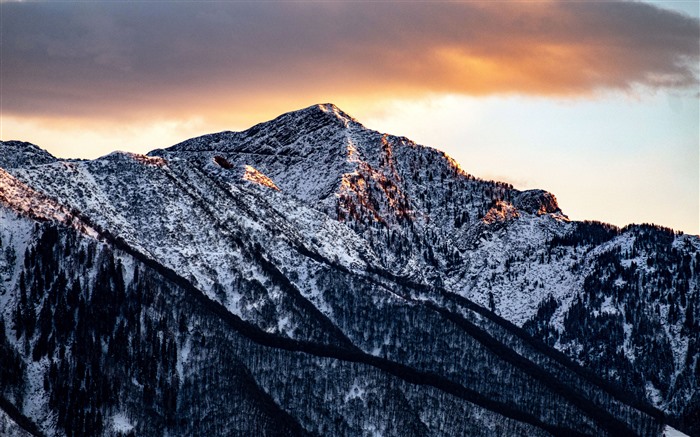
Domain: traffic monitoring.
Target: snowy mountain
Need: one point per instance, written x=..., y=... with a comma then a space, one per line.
x=311, y=276
x=22, y=154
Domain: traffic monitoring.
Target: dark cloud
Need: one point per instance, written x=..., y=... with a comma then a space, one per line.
x=160, y=58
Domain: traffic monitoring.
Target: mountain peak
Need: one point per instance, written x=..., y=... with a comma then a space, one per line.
x=272, y=135
x=311, y=118
x=22, y=154
x=345, y=257
x=332, y=109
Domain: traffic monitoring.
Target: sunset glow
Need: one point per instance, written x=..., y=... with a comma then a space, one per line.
x=596, y=102
x=251, y=174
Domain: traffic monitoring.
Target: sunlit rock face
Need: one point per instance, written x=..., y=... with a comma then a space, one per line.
x=501, y=212
x=251, y=174
x=537, y=202
x=309, y=276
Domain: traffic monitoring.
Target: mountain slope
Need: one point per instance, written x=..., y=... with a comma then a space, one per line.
x=310, y=242
x=514, y=252
x=22, y=154
x=75, y=293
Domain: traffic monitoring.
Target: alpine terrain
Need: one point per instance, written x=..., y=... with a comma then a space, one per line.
x=309, y=276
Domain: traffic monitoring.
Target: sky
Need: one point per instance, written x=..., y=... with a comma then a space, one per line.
x=597, y=102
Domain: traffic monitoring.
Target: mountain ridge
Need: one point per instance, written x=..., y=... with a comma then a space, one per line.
x=361, y=210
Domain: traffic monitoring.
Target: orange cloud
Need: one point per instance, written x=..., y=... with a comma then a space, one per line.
x=130, y=61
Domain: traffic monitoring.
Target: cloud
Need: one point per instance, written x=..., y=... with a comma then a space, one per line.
x=159, y=59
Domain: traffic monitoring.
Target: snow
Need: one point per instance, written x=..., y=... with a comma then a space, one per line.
x=183, y=354
x=672, y=432
x=36, y=399
x=25, y=200
x=653, y=394
x=121, y=423
x=284, y=325
x=627, y=345
x=357, y=391
x=15, y=154
x=607, y=307
x=517, y=300
x=187, y=213
x=9, y=428
x=15, y=233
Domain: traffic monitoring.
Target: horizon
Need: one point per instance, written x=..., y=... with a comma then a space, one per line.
x=360, y=121
x=578, y=99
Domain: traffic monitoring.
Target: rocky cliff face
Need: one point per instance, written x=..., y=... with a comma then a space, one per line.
x=311, y=276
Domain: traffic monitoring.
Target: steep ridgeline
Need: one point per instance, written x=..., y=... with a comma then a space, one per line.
x=353, y=261
x=399, y=196
x=99, y=337
x=21, y=154
x=622, y=302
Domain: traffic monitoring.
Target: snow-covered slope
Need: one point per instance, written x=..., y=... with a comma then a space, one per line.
x=106, y=340
x=21, y=154
x=314, y=229
x=514, y=252
x=410, y=202
x=10, y=428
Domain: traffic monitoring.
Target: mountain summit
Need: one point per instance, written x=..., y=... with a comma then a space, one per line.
x=19, y=153
x=310, y=276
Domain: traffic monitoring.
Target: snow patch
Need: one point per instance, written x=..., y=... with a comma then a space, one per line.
x=355, y=392
x=672, y=432
x=653, y=394
x=121, y=423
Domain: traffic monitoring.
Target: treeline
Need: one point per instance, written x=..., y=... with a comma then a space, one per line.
x=93, y=332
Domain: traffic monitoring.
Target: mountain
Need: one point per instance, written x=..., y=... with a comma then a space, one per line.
x=22, y=154
x=622, y=302
x=309, y=276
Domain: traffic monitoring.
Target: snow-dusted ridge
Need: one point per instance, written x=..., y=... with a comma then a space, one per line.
x=21, y=154
x=295, y=224
x=24, y=200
